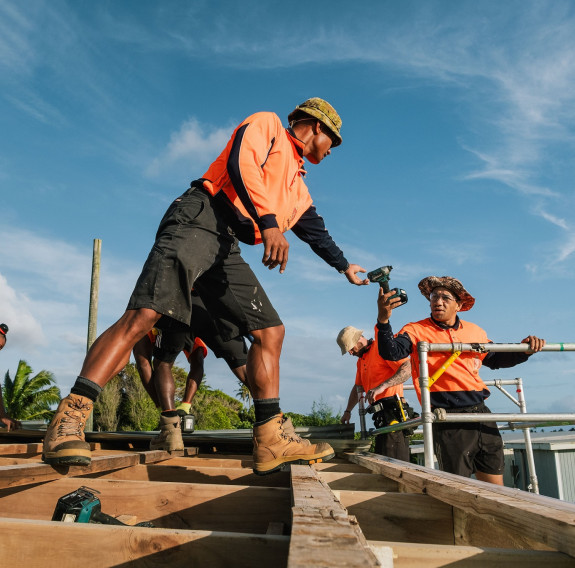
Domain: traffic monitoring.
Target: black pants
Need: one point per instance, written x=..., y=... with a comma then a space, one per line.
x=393, y=445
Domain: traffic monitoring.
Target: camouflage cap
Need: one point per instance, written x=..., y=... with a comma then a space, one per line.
x=324, y=112
x=427, y=285
x=348, y=337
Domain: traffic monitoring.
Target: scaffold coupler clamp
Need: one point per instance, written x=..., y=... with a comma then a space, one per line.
x=440, y=414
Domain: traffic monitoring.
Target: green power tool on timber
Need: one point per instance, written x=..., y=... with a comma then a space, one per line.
x=82, y=506
x=381, y=276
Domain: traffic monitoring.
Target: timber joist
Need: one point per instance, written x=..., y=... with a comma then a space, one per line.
x=211, y=510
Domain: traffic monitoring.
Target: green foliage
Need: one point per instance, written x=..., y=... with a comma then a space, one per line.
x=30, y=398
x=106, y=407
x=124, y=404
x=138, y=411
x=215, y=410
x=321, y=415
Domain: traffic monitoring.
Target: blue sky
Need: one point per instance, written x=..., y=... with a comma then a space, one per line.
x=459, y=133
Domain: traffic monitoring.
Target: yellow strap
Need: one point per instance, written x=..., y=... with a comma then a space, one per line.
x=444, y=367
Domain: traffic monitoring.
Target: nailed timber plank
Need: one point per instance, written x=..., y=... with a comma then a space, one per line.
x=323, y=534
x=101, y=546
x=210, y=475
x=39, y=472
x=167, y=505
x=540, y=519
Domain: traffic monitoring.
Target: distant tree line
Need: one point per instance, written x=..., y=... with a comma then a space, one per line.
x=124, y=405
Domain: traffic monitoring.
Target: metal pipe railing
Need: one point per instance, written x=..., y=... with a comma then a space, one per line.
x=424, y=347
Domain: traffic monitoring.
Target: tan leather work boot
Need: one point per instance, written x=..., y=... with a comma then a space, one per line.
x=64, y=443
x=275, y=446
x=170, y=436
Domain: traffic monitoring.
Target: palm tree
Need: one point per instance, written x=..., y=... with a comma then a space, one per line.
x=244, y=394
x=30, y=398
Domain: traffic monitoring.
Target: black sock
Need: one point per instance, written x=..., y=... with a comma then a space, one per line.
x=86, y=387
x=170, y=413
x=266, y=408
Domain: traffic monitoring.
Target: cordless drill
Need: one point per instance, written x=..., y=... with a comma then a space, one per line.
x=82, y=506
x=381, y=275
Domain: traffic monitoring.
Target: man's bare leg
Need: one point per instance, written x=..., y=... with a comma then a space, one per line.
x=489, y=478
x=263, y=366
x=111, y=351
x=64, y=442
x=274, y=445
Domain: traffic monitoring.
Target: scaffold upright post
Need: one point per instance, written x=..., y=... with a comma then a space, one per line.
x=362, y=411
x=534, y=482
x=426, y=414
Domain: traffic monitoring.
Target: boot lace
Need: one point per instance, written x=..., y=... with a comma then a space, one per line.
x=287, y=436
x=72, y=423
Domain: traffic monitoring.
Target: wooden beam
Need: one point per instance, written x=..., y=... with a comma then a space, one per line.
x=323, y=534
x=166, y=505
x=74, y=544
x=211, y=475
x=408, y=555
x=19, y=449
x=39, y=472
x=539, y=519
x=402, y=517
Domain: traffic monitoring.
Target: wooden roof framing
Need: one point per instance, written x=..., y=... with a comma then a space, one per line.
x=210, y=510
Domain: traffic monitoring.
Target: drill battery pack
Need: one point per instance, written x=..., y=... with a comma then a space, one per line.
x=82, y=506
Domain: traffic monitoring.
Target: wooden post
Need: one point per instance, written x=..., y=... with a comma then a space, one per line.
x=93, y=311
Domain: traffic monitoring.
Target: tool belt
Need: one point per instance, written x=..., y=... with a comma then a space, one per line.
x=387, y=411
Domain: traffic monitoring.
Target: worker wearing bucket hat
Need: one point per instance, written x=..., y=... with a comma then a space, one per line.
x=253, y=192
x=461, y=448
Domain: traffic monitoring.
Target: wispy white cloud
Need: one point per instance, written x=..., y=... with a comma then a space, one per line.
x=192, y=145
x=44, y=295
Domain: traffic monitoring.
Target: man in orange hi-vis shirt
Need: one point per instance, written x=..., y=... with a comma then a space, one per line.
x=253, y=192
x=372, y=370
x=463, y=448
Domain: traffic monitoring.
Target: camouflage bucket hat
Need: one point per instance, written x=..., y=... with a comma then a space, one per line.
x=323, y=111
x=348, y=337
x=427, y=285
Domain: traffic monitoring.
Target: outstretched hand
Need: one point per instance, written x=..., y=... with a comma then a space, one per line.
x=275, y=249
x=351, y=275
x=535, y=343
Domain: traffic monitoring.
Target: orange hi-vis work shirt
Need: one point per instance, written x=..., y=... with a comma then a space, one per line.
x=261, y=173
x=460, y=384
x=372, y=370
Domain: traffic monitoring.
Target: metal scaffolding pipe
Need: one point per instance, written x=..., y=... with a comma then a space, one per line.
x=495, y=347
x=479, y=417
x=362, y=411
x=426, y=414
x=534, y=482
x=412, y=423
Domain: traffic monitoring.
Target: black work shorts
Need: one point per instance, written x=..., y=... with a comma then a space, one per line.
x=195, y=249
x=466, y=447
x=234, y=351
